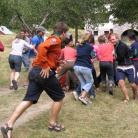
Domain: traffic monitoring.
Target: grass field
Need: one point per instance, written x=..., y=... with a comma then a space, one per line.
x=106, y=117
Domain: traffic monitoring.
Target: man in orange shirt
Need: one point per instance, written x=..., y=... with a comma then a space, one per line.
x=42, y=77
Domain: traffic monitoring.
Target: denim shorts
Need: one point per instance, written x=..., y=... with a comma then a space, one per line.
x=15, y=62
x=122, y=74
x=37, y=84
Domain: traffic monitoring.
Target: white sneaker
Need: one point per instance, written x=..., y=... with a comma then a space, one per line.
x=92, y=97
x=89, y=101
x=83, y=100
x=76, y=96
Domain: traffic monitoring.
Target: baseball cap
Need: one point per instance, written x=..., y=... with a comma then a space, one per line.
x=42, y=29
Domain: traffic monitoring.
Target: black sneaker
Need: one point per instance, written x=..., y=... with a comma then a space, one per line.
x=104, y=88
x=111, y=90
x=15, y=86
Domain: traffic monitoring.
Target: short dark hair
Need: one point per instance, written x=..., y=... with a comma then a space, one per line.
x=60, y=27
x=23, y=30
x=67, y=40
x=101, y=39
x=91, y=40
x=132, y=36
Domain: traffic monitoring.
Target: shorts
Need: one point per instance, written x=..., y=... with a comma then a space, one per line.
x=136, y=71
x=122, y=74
x=31, y=59
x=15, y=62
x=37, y=84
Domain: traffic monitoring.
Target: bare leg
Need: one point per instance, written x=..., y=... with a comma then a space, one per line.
x=84, y=94
x=26, y=82
x=12, y=77
x=55, y=111
x=124, y=89
x=134, y=89
x=16, y=76
x=17, y=113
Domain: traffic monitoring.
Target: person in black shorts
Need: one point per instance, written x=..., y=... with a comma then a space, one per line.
x=42, y=77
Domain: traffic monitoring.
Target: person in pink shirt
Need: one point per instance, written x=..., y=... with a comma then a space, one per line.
x=106, y=64
x=69, y=55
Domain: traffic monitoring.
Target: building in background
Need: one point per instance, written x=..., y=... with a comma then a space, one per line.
x=104, y=28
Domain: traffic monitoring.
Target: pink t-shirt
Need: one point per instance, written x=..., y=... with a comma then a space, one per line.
x=68, y=53
x=97, y=50
x=106, y=52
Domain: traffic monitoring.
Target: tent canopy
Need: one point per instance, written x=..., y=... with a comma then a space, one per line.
x=5, y=30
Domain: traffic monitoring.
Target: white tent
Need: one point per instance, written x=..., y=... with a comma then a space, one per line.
x=5, y=30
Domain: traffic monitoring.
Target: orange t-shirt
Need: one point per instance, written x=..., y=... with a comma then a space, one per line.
x=48, y=53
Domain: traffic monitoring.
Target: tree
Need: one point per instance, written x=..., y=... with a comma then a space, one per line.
x=125, y=11
x=77, y=13
x=41, y=12
x=25, y=13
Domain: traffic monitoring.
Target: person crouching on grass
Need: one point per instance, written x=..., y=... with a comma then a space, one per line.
x=42, y=77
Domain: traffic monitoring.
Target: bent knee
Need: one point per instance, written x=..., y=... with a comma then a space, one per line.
x=121, y=82
x=132, y=84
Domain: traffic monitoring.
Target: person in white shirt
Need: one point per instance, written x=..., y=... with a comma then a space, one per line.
x=15, y=59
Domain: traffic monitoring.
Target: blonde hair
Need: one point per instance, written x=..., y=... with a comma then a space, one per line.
x=85, y=36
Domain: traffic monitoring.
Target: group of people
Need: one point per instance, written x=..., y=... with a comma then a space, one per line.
x=116, y=61
x=48, y=55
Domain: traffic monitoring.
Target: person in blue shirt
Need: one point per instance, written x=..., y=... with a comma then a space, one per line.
x=36, y=40
x=134, y=54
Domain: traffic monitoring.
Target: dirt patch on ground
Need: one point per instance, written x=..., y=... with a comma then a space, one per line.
x=31, y=112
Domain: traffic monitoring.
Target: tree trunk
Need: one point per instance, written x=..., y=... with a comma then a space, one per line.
x=76, y=33
x=45, y=18
x=24, y=23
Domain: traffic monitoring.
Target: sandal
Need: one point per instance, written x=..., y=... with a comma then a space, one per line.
x=125, y=101
x=4, y=130
x=56, y=127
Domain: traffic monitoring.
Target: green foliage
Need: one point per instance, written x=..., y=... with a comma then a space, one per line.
x=25, y=13
x=125, y=11
x=73, y=12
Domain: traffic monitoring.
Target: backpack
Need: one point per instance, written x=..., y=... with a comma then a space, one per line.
x=1, y=47
x=93, y=54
